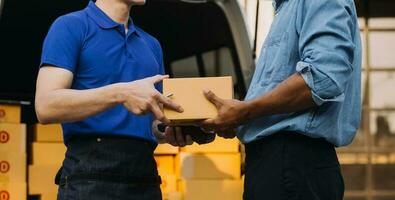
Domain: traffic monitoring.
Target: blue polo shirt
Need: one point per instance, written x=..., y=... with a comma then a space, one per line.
x=97, y=51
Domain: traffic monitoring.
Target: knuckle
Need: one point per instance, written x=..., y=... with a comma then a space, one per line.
x=155, y=95
x=147, y=103
x=150, y=100
x=157, y=76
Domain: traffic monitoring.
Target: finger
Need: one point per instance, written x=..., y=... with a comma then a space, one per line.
x=207, y=124
x=229, y=135
x=170, y=136
x=189, y=140
x=157, y=78
x=168, y=103
x=179, y=137
x=158, y=113
x=213, y=98
x=221, y=134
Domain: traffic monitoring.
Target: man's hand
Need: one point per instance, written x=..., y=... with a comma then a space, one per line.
x=141, y=97
x=227, y=134
x=175, y=137
x=231, y=114
x=160, y=136
x=172, y=135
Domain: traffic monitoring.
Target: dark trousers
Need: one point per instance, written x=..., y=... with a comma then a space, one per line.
x=109, y=168
x=290, y=166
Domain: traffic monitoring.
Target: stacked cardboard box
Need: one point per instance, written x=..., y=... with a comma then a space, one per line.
x=165, y=161
x=12, y=154
x=48, y=152
x=214, y=168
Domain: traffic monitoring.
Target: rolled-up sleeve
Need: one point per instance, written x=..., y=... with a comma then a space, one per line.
x=326, y=47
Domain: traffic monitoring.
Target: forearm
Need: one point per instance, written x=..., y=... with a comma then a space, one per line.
x=68, y=105
x=292, y=95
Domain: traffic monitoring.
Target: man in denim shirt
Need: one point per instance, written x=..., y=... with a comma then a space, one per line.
x=304, y=100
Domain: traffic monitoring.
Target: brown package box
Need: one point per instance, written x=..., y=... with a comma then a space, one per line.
x=48, y=153
x=49, y=196
x=13, y=138
x=165, y=165
x=12, y=167
x=10, y=114
x=208, y=166
x=169, y=185
x=41, y=179
x=13, y=191
x=220, y=145
x=48, y=133
x=188, y=92
x=166, y=149
x=211, y=189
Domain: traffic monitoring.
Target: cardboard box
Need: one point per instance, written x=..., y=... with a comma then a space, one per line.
x=165, y=165
x=188, y=92
x=12, y=167
x=42, y=179
x=173, y=196
x=166, y=149
x=49, y=196
x=169, y=185
x=10, y=114
x=208, y=166
x=13, y=138
x=48, y=133
x=211, y=189
x=220, y=145
x=48, y=153
x=13, y=191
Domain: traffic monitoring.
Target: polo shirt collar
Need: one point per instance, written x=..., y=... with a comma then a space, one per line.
x=103, y=20
x=277, y=4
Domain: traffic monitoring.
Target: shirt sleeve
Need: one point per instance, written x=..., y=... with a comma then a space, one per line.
x=326, y=47
x=62, y=44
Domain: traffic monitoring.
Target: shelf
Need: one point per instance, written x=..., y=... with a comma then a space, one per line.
x=376, y=193
x=378, y=29
x=379, y=69
x=362, y=158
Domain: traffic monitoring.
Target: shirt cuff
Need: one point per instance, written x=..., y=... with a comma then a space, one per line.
x=304, y=69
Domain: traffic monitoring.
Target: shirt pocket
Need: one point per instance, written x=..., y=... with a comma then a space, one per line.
x=275, y=52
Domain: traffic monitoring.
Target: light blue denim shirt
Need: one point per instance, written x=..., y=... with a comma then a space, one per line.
x=320, y=40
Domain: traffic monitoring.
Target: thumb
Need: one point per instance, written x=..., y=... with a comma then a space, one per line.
x=157, y=78
x=213, y=98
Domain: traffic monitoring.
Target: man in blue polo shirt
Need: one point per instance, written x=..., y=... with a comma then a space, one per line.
x=98, y=77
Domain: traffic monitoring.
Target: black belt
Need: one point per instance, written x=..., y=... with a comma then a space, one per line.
x=129, y=180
